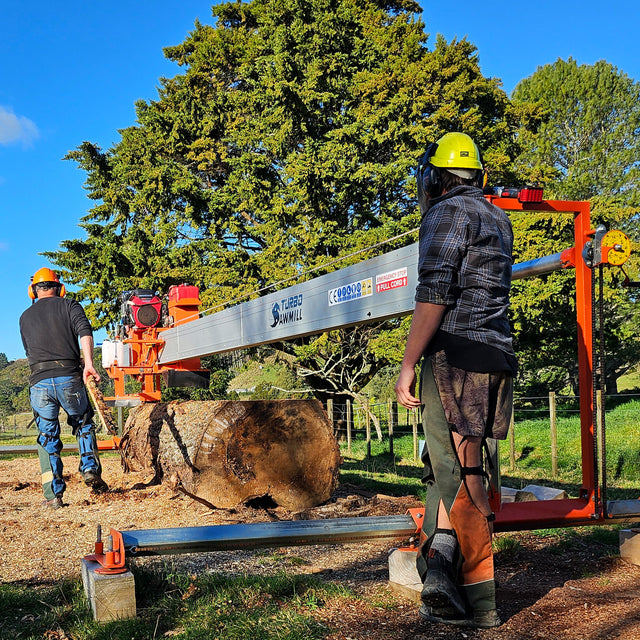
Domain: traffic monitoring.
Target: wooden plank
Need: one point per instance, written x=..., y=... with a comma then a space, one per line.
x=111, y=597
x=630, y=545
x=403, y=574
x=102, y=411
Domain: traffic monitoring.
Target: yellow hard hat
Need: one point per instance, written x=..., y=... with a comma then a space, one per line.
x=45, y=275
x=457, y=153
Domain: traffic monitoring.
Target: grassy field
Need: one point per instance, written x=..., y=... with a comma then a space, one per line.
x=532, y=453
x=212, y=605
x=179, y=606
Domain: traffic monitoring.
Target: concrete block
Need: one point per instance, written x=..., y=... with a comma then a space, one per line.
x=404, y=578
x=535, y=492
x=111, y=597
x=630, y=545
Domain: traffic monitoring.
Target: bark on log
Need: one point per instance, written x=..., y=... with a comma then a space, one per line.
x=226, y=453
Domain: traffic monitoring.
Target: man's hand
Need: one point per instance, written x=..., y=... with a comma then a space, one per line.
x=90, y=372
x=405, y=388
x=86, y=342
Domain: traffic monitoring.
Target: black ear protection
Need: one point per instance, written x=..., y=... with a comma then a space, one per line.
x=481, y=177
x=428, y=175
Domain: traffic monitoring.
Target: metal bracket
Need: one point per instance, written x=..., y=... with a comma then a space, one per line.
x=112, y=560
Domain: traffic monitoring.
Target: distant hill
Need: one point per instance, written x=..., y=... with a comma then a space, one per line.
x=14, y=387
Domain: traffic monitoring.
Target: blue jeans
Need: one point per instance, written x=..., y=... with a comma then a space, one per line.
x=47, y=397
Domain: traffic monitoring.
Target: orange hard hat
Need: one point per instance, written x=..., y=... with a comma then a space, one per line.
x=45, y=275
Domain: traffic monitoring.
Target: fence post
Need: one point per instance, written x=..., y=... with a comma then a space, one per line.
x=390, y=424
x=348, y=425
x=414, y=425
x=330, y=413
x=554, y=435
x=367, y=425
x=512, y=442
x=598, y=409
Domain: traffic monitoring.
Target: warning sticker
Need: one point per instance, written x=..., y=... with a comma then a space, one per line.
x=391, y=280
x=351, y=291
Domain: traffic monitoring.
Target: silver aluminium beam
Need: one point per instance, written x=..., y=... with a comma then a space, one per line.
x=149, y=542
x=376, y=289
x=21, y=449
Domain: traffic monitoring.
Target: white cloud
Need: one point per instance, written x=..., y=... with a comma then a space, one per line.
x=15, y=129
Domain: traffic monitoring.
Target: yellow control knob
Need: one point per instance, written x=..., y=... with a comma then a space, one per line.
x=618, y=245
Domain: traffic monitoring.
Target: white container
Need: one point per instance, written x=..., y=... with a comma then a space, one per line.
x=123, y=354
x=108, y=353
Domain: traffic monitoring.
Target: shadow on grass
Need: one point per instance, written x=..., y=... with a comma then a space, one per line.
x=382, y=473
x=526, y=575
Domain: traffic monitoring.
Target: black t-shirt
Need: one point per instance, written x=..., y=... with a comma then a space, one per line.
x=50, y=329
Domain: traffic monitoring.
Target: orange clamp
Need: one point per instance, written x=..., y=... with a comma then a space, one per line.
x=112, y=560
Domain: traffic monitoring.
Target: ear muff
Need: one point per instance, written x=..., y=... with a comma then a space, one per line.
x=428, y=175
x=481, y=178
x=61, y=291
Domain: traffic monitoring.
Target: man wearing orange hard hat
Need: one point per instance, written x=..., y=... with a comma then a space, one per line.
x=50, y=330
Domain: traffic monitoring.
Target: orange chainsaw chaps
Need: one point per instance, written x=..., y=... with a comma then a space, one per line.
x=474, y=538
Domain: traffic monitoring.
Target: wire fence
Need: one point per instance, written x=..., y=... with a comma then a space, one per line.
x=380, y=425
x=23, y=425
x=388, y=422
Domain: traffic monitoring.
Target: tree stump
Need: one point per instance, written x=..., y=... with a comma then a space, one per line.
x=226, y=453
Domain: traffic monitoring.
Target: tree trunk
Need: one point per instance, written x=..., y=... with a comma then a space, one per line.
x=226, y=453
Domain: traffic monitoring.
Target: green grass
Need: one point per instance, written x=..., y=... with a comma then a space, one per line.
x=400, y=474
x=177, y=606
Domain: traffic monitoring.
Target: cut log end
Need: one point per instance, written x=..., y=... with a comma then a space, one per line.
x=226, y=453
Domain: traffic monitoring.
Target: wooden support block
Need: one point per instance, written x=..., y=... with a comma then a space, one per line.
x=536, y=492
x=112, y=597
x=630, y=545
x=403, y=574
x=507, y=494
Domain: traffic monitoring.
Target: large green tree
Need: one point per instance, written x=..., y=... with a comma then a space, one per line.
x=587, y=148
x=288, y=139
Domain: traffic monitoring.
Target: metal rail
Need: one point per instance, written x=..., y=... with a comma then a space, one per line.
x=233, y=537
x=537, y=267
x=23, y=449
x=151, y=542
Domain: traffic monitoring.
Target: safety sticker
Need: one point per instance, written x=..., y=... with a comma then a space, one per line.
x=353, y=291
x=391, y=280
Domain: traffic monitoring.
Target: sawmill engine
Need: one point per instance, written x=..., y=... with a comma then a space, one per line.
x=141, y=309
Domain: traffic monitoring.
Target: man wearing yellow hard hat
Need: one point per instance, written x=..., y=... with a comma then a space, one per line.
x=461, y=332
x=50, y=329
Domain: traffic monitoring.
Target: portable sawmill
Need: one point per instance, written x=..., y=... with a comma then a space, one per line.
x=167, y=343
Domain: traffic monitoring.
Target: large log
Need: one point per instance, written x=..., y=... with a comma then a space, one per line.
x=226, y=453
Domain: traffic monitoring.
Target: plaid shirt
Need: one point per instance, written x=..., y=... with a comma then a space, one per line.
x=465, y=263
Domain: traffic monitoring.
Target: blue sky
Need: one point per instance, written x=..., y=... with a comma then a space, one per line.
x=72, y=71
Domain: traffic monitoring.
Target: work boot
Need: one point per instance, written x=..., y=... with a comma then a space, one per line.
x=439, y=589
x=444, y=615
x=486, y=619
x=449, y=615
x=93, y=479
x=54, y=503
